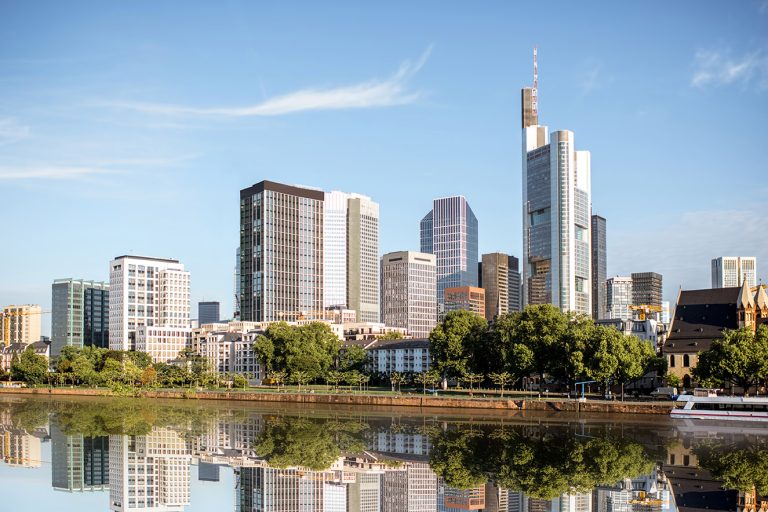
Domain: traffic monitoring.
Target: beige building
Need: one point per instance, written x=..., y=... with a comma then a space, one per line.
x=21, y=324
x=467, y=298
x=500, y=278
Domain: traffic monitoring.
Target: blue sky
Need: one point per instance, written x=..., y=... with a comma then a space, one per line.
x=130, y=127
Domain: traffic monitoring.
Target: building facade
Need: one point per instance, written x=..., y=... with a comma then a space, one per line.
x=619, y=298
x=208, y=312
x=449, y=231
x=730, y=271
x=401, y=356
x=229, y=348
x=465, y=298
x=599, y=268
x=281, y=252
x=21, y=324
x=79, y=314
x=647, y=288
x=500, y=278
x=556, y=221
x=149, y=306
x=409, y=291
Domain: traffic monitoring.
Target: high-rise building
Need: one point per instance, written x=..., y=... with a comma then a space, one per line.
x=149, y=306
x=237, y=290
x=363, y=293
x=465, y=298
x=335, y=249
x=449, y=231
x=500, y=278
x=281, y=252
x=599, y=267
x=556, y=214
x=208, y=312
x=730, y=271
x=646, y=289
x=619, y=298
x=409, y=291
x=21, y=324
x=79, y=314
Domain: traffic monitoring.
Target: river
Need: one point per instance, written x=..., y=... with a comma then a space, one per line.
x=125, y=454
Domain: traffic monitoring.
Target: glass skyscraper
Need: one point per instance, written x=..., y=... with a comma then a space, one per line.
x=80, y=314
x=449, y=231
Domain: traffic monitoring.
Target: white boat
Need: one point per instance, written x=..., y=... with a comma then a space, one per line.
x=713, y=407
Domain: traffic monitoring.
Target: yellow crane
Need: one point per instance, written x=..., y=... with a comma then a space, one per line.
x=7, y=321
x=643, y=310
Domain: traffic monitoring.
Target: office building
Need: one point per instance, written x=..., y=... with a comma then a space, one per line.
x=79, y=314
x=599, y=268
x=237, y=290
x=208, y=312
x=335, y=249
x=556, y=214
x=409, y=292
x=619, y=298
x=449, y=231
x=21, y=324
x=500, y=278
x=149, y=306
x=646, y=289
x=465, y=298
x=730, y=271
x=281, y=252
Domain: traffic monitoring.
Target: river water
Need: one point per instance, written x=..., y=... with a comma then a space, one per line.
x=123, y=454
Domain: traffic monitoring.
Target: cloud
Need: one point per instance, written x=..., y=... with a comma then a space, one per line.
x=12, y=131
x=719, y=67
x=52, y=173
x=371, y=94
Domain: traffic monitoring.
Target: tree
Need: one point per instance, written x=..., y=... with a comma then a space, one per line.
x=601, y=360
x=501, y=379
x=635, y=359
x=392, y=335
x=148, y=377
x=299, y=377
x=541, y=328
x=29, y=367
x=83, y=371
x=264, y=348
x=739, y=357
x=511, y=353
x=277, y=377
x=239, y=381
x=352, y=357
x=451, y=339
x=396, y=379
x=672, y=380
x=112, y=372
x=472, y=378
x=334, y=377
x=429, y=378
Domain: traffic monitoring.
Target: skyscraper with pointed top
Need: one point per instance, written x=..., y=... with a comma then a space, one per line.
x=556, y=213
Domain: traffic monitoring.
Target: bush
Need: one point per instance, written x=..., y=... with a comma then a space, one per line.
x=239, y=382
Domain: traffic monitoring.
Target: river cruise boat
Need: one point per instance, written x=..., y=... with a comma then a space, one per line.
x=709, y=406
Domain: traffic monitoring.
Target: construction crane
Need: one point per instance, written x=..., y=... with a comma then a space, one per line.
x=7, y=321
x=644, y=310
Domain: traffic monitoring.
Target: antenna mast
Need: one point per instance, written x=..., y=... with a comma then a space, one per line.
x=535, y=91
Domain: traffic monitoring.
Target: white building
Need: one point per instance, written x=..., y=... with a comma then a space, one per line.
x=409, y=291
x=149, y=473
x=149, y=306
x=619, y=298
x=229, y=347
x=556, y=214
x=388, y=356
x=731, y=271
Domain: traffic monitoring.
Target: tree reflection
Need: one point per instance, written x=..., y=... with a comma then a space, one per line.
x=740, y=467
x=541, y=463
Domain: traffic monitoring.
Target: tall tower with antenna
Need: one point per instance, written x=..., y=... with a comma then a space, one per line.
x=530, y=97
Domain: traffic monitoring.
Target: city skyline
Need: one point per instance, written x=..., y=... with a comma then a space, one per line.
x=416, y=134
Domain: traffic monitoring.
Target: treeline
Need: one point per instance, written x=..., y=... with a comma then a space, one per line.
x=538, y=341
x=739, y=358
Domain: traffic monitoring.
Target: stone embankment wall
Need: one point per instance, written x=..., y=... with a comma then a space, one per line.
x=571, y=406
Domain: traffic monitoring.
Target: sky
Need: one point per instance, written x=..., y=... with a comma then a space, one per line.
x=130, y=127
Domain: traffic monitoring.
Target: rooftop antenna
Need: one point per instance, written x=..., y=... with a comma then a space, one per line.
x=535, y=91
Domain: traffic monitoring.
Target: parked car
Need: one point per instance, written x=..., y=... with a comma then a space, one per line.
x=665, y=392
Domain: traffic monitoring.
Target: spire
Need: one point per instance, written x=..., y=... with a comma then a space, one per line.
x=761, y=298
x=535, y=90
x=745, y=297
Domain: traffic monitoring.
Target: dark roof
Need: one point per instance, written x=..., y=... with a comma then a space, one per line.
x=284, y=189
x=395, y=344
x=148, y=258
x=700, y=317
x=695, y=490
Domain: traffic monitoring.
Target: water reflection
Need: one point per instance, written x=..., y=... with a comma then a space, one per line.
x=140, y=455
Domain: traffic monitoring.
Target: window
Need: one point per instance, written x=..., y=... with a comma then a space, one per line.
x=672, y=361
x=686, y=361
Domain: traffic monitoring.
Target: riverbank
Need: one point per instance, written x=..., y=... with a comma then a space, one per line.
x=372, y=400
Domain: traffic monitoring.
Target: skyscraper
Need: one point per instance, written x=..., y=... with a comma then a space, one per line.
x=556, y=217
x=618, y=298
x=730, y=271
x=149, y=306
x=409, y=292
x=335, y=249
x=208, y=312
x=646, y=288
x=281, y=252
x=79, y=314
x=500, y=278
x=465, y=298
x=449, y=231
x=599, y=267
x=21, y=324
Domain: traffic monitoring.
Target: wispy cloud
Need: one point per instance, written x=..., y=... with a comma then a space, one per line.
x=719, y=67
x=371, y=94
x=52, y=173
x=12, y=131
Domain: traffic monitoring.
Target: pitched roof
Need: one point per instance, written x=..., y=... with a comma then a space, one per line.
x=700, y=317
x=745, y=296
x=761, y=298
x=396, y=344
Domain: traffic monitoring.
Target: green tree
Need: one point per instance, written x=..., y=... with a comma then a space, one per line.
x=84, y=372
x=451, y=339
x=672, y=380
x=112, y=373
x=472, y=379
x=602, y=362
x=352, y=357
x=739, y=357
x=429, y=378
x=334, y=377
x=29, y=367
x=510, y=352
x=264, y=348
x=393, y=335
x=635, y=358
x=239, y=381
x=541, y=328
x=277, y=377
x=396, y=379
x=568, y=356
x=148, y=377
x=501, y=379
x=299, y=377
x=739, y=467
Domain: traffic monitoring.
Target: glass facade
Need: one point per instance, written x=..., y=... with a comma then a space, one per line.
x=409, y=292
x=80, y=314
x=599, y=267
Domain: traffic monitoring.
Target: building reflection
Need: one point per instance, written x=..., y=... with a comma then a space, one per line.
x=78, y=462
